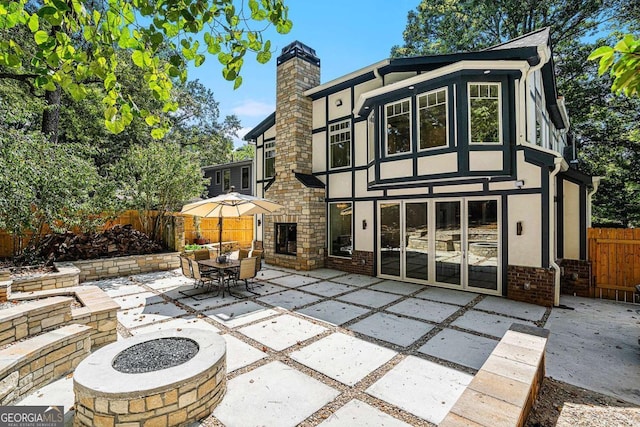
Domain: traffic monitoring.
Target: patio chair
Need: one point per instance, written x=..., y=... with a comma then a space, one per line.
x=185, y=264
x=243, y=253
x=258, y=254
x=202, y=278
x=246, y=272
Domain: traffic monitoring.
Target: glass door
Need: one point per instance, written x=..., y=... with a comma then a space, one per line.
x=483, y=245
x=447, y=243
x=416, y=241
x=389, y=233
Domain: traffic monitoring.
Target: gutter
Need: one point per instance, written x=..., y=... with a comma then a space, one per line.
x=544, y=53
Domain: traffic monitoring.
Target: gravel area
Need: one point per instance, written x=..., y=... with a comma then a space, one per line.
x=563, y=405
x=155, y=355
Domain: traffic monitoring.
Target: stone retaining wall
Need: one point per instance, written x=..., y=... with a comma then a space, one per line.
x=35, y=362
x=123, y=266
x=31, y=318
x=67, y=275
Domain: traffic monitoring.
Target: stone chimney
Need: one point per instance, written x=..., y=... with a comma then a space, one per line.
x=296, y=236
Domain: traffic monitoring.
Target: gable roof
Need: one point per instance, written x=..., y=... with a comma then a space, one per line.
x=261, y=128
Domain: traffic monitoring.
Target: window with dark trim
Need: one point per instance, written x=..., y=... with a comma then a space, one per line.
x=485, y=117
x=286, y=235
x=217, y=177
x=340, y=144
x=245, y=177
x=340, y=235
x=226, y=180
x=433, y=119
x=398, y=125
x=269, y=159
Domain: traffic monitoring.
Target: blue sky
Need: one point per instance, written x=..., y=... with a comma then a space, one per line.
x=347, y=35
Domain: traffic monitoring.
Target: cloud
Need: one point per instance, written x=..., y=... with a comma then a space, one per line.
x=238, y=141
x=253, y=108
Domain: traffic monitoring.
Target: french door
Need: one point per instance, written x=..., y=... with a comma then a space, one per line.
x=453, y=243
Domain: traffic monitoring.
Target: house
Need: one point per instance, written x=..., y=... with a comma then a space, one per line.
x=443, y=170
x=238, y=175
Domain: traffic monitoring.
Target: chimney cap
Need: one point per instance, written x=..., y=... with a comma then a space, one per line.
x=300, y=50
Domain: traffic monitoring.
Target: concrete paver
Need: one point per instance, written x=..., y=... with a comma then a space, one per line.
x=324, y=273
x=358, y=413
x=459, y=347
x=271, y=395
x=392, y=328
x=122, y=289
x=369, y=298
x=450, y=296
x=356, y=280
x=145, y=315
x=511, y=308
x=485, y=323
x=402, y=288
x=137, y=300
x=422, y=309
x=289, y=299
x=238, y=314
x=282, y=332
x=327, y=289
x=426, y=389
x=59, y=392
x=294, y=280
x=344, y=358
x=176, y=324
x=268, y=274
x=240, y=354
x=334, y=312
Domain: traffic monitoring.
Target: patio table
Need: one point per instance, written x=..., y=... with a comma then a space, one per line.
x=220, y=267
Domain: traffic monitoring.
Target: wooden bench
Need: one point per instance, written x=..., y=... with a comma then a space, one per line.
x=33, y=363
x=504, y=389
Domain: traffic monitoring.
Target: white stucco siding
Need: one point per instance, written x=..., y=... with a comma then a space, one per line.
x=526, y=249
x=319, y=113
x=366, y=87
x=340, y=104
x=396, y=169
x=259, y=161
x=485, y=161
x=571, y=220
x=270, y=133
x=361, y=186
x=360, y=143
x=461, y=188
x=319, y=147
x=408, y=192
x=441, y=163
x=396, y=77
x=340, y=185
x=363, y=238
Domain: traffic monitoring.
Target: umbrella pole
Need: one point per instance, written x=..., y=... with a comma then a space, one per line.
x=220, y=235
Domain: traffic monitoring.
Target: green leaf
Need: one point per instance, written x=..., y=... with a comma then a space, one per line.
x=284, y=27
x=34, y=23
x=158, y=133
x=138, y=58
x=110, y=81
x=41, y=37
x=263, y=57
x=46, y=10
x=599, y=52
x=199, y=60
x=237, y=83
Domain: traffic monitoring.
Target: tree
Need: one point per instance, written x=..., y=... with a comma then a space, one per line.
x=74, y=42
x=246, y=152
x=159, y=177
x=624, y=62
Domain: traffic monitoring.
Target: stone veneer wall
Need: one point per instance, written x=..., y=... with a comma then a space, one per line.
x=576, y=278
x=302, y=205
x=31, y=318
x=67, y=275
x=123, y=266
x=5, y=290
x=541, y=285
x=361, y=262
x=30, y=364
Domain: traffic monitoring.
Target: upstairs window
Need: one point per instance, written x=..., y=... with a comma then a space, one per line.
x=432, y=113
x=340, y=144
x=245, y=177
x=484, y=113
x=270, y=159
x=398, y=125
x=226, y=180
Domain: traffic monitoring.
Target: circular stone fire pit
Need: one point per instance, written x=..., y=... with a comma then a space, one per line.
x=168, y=378
x=484, y=249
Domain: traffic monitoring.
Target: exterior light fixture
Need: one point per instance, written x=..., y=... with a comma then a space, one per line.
x=338, y=102
x=487, y=71
x=364, y=224
x=519, y=184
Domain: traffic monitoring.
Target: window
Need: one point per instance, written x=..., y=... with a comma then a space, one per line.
x=484, y=113
x=286, y=235
x=217, y=177
x=270, y=159
x=371, y=137
x=340, y=241
x=398, y=121
x=340, y=144
x=226, y=180
x=432, y=113
x=245, y=177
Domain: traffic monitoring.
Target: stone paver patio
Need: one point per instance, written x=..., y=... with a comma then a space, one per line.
x=334, y=349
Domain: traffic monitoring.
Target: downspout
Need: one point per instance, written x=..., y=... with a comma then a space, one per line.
x=552, y=229
x=596, y=183
x=544, y=54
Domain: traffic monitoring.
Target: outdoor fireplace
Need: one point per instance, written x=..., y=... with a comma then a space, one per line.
x=286, y=238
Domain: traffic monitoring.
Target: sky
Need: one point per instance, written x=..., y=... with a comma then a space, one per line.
x=347, y=35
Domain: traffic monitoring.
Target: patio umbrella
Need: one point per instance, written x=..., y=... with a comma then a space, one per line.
x=230, y=205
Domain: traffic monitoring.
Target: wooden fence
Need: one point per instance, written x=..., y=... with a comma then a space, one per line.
x=615, y=262
x=238, y=230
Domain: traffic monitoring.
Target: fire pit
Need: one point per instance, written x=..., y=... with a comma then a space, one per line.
x=167, y=378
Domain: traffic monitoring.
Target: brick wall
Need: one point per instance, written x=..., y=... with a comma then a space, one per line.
x=531, y=284
x=361, y=262
x=576, y=278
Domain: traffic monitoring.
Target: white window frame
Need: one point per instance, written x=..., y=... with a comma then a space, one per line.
x=225, y=172
x=269, y=153
x=335, y=132
x=242, y=178
x=500, y=118
x=446, y=106
x=386, y=126
x=329, y=231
